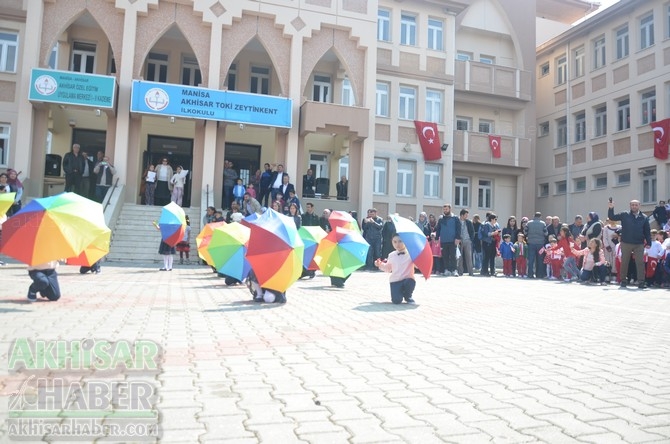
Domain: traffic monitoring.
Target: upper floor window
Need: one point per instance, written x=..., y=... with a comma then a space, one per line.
x=4, y=143
x=431, y=180
x=190, y=72
x=347, y=93
x=53, y=57
x=648, y=185
x=489, y=60
x=157, y=67
x=599, y=54
x=462, y=192
x=623, y=115
x=622, y=177
x=407, y=103
x=561, y=70
x=600, y=122
x=83, y=57
x=562, y=132
x=543, y=190
x=544, y=69
x=561, y=187
x=600, y=181
x=382, y=96
x=579, y=61
x=405, y=179
x=463, y=123
x=321, y=88
x=111, y=62
x=379, y=178
x=9, y=42
x=260, y=80
x=647, y=31
x=543, y=129
x=384, y=25
x=667, y=22
x=435, y=34
x=407, y=29
x=463, y=56
x=580, y=127
x=484, y=193
x=433, y=106
x=648, y=102
x=485, y=126
x=622, y=42
x=231, y=79
x=579, y=184
x=343, y=167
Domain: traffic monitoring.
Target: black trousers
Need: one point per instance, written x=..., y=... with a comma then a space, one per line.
x=45, y=282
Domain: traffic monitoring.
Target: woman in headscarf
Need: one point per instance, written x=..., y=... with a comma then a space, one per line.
x=593, y=228
x=422, y=223
x=16, y=186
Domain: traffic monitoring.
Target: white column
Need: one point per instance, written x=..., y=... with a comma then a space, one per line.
x=211, y=127
x=295, y=74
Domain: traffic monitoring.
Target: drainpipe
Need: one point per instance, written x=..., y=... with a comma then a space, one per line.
x=568, y=122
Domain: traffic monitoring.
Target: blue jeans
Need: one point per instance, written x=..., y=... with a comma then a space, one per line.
x=101, y=192
x=402, y=290
x=600, y=271
x=534, y=264
x=478, y=259
x=45, y=282
x=570, y=265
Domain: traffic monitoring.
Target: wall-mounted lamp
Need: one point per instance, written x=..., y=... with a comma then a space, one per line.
x=444, y=147
x=171, y=119
x=72, y=123
x=98, y=112
x=241, y=126
x=407, y=148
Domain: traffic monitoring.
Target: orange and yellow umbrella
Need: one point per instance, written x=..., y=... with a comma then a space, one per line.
x=6, y=202
x=94, y=252
x=203, y=239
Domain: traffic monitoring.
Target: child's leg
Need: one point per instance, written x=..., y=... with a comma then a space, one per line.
x=169, y=261
x=408, y=286
x=165, y=261
x=46, y=283
x=397, y=292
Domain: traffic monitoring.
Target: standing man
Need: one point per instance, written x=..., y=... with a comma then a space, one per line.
x=229, y=179
x=577, y=227
x=87, y=176
x=265, y=185
x=372, y=233
x=536, y=234
x=104, y=172
x=467, y=235
x=309, y=218
x=276, y=181
x=308, y=184
x=342, y=188
x=634, y=233
x=73, y=165
x=448, y=232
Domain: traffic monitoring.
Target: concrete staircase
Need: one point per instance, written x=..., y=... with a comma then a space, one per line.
x=136, y=240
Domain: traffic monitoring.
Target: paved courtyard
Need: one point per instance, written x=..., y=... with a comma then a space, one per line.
x=475, y=360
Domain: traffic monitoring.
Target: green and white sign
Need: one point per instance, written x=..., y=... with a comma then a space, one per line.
x=72, y=88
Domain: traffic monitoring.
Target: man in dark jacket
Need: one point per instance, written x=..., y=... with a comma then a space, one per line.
x=448, y=232
x=73, y=165
x=309, y=218
x=467, y=236
x=536, y=235
x=264, y=186
x=634, y=233
x=372, y=233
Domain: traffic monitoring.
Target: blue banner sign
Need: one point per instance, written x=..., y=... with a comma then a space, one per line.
x=72, y=88
x=210, y=104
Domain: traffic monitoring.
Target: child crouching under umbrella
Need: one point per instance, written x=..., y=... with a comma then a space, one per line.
x=45, y=281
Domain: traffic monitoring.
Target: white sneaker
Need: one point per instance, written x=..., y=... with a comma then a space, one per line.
x=446, y=274
x=455, y=274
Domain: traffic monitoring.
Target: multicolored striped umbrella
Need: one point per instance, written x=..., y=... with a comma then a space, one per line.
x=227, y=248
x=341, y=252
x=311, y=236
x=416, y=242
x=172, y=224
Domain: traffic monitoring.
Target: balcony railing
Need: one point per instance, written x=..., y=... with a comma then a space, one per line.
x=320, y=116
x=493, y=79
x=474, y=148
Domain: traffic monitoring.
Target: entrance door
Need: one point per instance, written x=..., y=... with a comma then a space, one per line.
x=246, y=160
x=178, y=151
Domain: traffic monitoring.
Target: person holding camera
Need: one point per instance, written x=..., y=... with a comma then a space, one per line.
x=104, y=172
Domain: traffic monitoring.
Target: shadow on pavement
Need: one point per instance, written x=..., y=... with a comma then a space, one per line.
x=385, y=306
x=20, y=301
x=244, y=306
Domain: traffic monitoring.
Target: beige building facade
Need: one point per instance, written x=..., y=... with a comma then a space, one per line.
x=357, y=74
x=599, y=87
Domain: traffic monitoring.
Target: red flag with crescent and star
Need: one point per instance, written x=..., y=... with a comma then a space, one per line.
x=661, y=138
x=428, y=139
x=494, y=143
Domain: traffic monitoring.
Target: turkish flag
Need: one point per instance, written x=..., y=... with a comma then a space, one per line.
x=428, y=139
x=661, y=138
x=494, y=143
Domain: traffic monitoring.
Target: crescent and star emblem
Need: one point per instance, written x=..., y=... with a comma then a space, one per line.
x=425, y=130
x=494, y=143
x=660, y=137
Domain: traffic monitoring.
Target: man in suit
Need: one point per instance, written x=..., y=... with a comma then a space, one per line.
x=342, y=188
x=87, y=177
x=73, y=164
x=308, y=184
x=276, y=181
x=286, y=187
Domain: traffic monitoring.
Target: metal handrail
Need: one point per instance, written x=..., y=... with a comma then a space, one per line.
x=110, y=195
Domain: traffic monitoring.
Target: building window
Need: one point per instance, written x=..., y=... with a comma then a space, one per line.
x=623, y=115
x=561, y=132
x=579, y=61
x=600, y=123
x=231, y=79
x=622, y=177
x=648, y=176
x=647, y=31
x=622, y=42
x=431, y=180
x=543, y=190
x=111, y=62
x=407, y=29
x=485, y=126
x=463, y=123
x=544, y=69
x=462, y=192
x=543, y=129
x=561, y=187
x=561, y=70
x=433, y=106
x=648, y=103
x=190, y=72
x=407, y=103
x=579, y=184
x=83, y=57
x=580, y=127
x=667, y=22
x=53, y=57
x=382, y=107
x=343, y=167
x=484, y=193
x=600, y=181
x=347, y=93
x=384, y=25
x=435, y=34
x=405, y=179
x=157, y=67
x=599, y=53
x=463, y=56
x=321, y=88
x=260, y=80
x=9, y=42
x=489, y=60
x=379, y=176
x=319, y=163
x=4, y=143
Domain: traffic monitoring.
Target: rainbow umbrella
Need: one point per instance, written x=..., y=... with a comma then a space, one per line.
x=275, y=250
x=6, y=202
x=227, y=248
x=94, y=252
x=344, y=220
x=204, y=237
x=416, y=243
x=341, y=252
x=172, y=224
x=52, y=228
x=311, y=236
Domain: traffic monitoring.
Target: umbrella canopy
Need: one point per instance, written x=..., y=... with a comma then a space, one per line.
x=94, y=252
x=311, y=236
x=227, y=249
x=52, y=228
x=275, y=250
x=6, y=201
x=172, y=224
x=344, y=220
x=416, y=243
x=204, y=237
x=341, y=252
